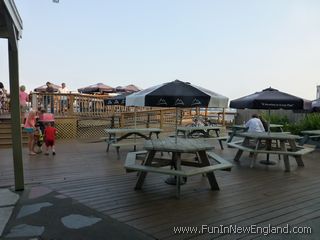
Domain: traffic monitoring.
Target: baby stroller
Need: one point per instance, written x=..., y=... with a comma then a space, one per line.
x=38, y=138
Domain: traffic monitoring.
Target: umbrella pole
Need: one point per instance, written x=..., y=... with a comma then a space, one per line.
x=176, y=135
x=135, y=117
x=269, y=114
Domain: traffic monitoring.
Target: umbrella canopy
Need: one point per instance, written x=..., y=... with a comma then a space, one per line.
x=132, y=88
x=176, y=94
x=316, y=105
x=116, y=100
x=128, y=89
x=44, y=87
x=270, y=98
x=96, y=88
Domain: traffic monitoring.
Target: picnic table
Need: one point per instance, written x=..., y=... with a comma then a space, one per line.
x=257, y=143
x=310, y=136
x=202, y=131
x=236, y=129
x=118, y=137
x=199, y=147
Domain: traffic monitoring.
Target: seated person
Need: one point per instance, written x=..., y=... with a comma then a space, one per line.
x=255, y=124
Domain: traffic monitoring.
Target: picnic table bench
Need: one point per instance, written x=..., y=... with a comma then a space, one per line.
x=203, y=131
x=263, y=145
x=155, y=165
x=237, y=129
x=310, y=137
x=118, y=137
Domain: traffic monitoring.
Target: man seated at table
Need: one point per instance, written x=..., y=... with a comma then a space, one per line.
x=255, y=124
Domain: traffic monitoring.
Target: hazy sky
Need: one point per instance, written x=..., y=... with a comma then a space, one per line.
x=231, y=47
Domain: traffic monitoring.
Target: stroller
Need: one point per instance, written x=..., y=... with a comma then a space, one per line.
x=38, y=138
x=40, y=126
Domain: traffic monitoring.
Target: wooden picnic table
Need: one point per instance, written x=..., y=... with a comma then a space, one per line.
x=116, y=136
x=242, y=128
x=309, y=136
x=262, y=143
x=199, y=147
x=202, y=131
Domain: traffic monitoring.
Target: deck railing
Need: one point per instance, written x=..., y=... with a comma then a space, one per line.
x=85, y=116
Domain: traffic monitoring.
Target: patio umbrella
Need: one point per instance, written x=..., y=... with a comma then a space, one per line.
x=44, y=87
x=96, y=88
x=116, y=100
x=120, y=100
x=176, y=94
x=271, y=98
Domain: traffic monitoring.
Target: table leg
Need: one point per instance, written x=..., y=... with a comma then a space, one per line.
x=211, y=177
x=293, y=147
x=238, y=155
x=142, y=175
x=285, y=156
x=220, y=141
x=231, y=136
x=111, y=137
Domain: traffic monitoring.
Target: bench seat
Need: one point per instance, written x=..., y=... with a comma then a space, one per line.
x=131, y=165
x=299, y=152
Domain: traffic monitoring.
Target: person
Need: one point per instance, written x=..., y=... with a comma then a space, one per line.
x=29, y=127
x=23, y=100
x=49, y=137
x=264, y=123
x=63, y=98
x=38, y=138
x=254, y=124
x=3, y=98
x=48, y=99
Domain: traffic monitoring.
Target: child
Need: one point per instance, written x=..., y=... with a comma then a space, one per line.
x=49, y=137
x=38, y=138
x=29, y=127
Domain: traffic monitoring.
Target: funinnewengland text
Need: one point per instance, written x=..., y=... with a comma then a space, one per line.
x=235, y=229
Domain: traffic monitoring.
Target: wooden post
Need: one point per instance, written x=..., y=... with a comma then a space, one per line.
x=70, y=105
x=161, y=119
x=122, y=120
x=223, y=116
x=15, y=114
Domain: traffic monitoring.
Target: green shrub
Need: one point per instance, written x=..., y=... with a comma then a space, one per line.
x=310, y=122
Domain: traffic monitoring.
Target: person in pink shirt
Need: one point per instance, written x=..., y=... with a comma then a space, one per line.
x=23, y=99
x=29, y=127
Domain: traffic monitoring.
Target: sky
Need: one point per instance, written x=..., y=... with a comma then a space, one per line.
x=231, y=47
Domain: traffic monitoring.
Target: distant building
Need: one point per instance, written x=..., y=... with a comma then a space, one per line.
x=318, y=92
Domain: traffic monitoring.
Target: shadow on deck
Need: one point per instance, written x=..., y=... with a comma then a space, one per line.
x=249, y=196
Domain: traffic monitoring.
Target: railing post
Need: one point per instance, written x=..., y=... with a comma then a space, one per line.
x=122, y=120
x=161, y=119
x=70, y=105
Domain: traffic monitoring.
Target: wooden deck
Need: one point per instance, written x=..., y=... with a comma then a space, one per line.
x=261, y=195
